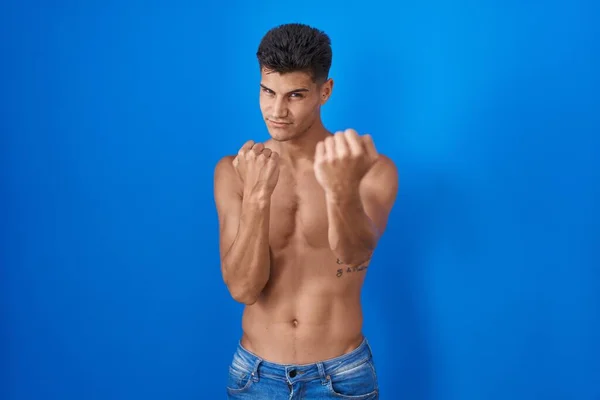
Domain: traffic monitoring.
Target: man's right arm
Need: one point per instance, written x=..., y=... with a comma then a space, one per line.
x=243, y=234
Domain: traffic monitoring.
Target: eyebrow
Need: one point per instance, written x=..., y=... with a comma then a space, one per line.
x=293, y=91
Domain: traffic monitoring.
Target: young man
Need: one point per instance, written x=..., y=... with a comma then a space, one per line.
x=300, y=216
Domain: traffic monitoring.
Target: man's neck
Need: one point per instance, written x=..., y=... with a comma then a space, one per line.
x=302, y=148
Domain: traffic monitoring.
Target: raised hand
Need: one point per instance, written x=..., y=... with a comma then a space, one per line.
x=342, y=160
x=258, y=167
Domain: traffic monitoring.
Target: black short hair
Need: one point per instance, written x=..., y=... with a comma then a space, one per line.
x=296, y=47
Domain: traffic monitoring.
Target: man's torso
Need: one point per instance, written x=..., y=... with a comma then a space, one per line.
x=310, y=308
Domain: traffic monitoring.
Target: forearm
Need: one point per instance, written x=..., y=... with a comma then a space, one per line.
x=247, y=263
x=352, y=234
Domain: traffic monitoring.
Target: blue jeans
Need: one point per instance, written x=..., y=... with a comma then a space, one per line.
x=350, y=376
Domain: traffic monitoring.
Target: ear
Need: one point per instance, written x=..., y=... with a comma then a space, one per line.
x=326, y=90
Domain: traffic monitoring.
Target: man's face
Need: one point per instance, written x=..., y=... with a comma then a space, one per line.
x=290, y=102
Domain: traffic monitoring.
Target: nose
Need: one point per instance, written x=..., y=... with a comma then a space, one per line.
x=280, y=110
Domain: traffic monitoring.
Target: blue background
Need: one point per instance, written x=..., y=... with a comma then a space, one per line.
x=113, y=115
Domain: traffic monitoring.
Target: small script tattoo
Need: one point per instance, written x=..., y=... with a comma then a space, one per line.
x=355, y=268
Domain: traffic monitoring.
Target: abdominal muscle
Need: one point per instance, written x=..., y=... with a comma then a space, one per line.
x=306, y=313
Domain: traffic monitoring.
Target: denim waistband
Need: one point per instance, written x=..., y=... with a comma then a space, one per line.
x=250, y=362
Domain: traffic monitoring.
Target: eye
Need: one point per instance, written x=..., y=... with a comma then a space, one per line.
x=267, y=91
x=297, y=95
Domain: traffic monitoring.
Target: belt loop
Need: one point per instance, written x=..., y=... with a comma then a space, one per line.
x=324, y=377
x=255, y=376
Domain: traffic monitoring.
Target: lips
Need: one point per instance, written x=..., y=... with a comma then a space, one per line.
x=276, y=123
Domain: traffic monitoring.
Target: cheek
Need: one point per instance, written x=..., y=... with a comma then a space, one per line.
x=305, y=112
x=263, y=104
x=264, y=99
x=309, y=114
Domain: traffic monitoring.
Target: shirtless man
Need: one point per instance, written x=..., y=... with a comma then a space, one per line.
x=300, y=216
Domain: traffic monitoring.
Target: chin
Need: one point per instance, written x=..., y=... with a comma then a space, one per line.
x=281, y=136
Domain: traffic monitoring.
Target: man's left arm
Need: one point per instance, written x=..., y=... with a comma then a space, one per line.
x=358, y=218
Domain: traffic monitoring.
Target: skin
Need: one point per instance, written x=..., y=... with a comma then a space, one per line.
x=300, y=216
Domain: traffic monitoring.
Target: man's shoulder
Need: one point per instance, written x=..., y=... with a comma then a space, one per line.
x=386, y=161
x=383, y=171
x=225, y=174
x=381, y=182
x=225, y=161
x=224, y=166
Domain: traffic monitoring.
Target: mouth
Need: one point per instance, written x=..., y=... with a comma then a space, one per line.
x=278, y=124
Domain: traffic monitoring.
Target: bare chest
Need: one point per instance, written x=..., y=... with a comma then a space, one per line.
x=298, y=212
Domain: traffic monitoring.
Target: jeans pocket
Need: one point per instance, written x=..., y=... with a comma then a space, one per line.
x=238, y=381
x=359, y=383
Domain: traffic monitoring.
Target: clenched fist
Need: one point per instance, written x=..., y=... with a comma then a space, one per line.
x=342, y=160
x=258, y=167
